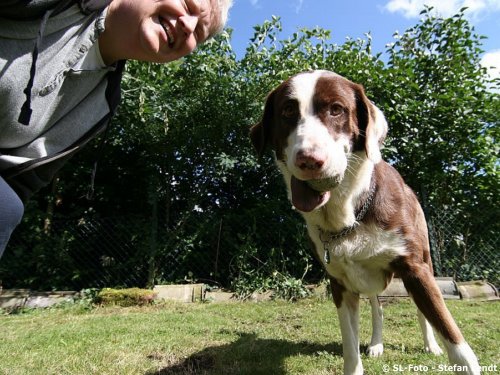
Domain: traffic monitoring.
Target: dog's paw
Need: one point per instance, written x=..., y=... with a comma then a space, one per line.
x=375, y=350
x=353, y=369
x=434, y=349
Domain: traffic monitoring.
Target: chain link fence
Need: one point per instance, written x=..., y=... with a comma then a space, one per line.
x=464, y=247
x=216, y=249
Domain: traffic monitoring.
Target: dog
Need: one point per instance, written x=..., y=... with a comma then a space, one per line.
x=365, y=223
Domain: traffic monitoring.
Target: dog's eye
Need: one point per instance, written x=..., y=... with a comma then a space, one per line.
x=336, y=110
x=290, y=110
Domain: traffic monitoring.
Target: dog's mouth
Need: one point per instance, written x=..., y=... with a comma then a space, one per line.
x=168, y=31
x=312, y=194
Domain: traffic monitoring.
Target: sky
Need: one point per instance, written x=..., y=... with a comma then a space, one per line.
x=354, y=18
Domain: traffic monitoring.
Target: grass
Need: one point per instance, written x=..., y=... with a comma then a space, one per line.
x=224, y=338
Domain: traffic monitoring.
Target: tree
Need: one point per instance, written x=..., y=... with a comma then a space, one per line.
x=178, y=158
x=443, y=119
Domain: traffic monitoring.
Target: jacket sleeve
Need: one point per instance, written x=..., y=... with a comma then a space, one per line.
x=34, y=9
x=89, y=6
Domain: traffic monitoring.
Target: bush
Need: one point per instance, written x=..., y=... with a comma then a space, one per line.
x=251, y=274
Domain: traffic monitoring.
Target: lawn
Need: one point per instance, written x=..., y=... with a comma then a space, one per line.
x=224, y=338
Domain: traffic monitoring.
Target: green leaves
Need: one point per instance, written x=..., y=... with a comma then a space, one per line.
x=180, y=138
x=190, y=120
x=439, y=88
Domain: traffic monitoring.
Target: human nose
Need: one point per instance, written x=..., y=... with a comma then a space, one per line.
x=188, y=24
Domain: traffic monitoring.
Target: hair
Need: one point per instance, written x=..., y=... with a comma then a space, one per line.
x=220, y=16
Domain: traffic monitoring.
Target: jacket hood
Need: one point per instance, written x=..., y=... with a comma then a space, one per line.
x=39, y=11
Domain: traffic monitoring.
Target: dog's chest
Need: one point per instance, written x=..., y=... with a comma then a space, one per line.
x=360, y=261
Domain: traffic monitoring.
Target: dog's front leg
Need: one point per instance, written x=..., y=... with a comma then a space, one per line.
x=422, y=286
x=376, y=347
x=348, y=311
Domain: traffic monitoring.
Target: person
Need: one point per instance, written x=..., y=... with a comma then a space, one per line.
x=61, y=63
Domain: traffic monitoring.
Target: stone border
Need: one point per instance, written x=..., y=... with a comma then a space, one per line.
x=18, y=298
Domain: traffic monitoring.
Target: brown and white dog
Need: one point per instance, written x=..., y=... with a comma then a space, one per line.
x=365, y=222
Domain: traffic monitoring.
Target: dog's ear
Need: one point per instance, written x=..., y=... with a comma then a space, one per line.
x=260, y=132
x=371, y=123
x=375, y=134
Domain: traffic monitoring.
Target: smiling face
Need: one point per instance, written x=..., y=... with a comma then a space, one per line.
x=157, y=30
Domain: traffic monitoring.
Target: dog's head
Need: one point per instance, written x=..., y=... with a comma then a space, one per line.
x=316, y=122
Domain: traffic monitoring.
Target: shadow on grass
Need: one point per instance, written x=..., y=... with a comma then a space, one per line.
x=247, y=355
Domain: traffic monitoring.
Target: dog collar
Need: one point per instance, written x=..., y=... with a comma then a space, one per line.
x=327, y=237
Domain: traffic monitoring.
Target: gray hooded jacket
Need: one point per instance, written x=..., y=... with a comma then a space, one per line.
x=51, y=103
